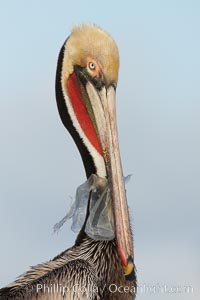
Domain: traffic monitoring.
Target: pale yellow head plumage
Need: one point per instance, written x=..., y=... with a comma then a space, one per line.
x=90, y=41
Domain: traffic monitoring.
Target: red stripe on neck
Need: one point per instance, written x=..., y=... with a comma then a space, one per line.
x=81, y=112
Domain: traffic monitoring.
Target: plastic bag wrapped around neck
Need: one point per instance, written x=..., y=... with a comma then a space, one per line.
x=93, y=199
x=94, y=193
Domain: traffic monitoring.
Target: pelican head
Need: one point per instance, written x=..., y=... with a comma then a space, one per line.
x=86, y=82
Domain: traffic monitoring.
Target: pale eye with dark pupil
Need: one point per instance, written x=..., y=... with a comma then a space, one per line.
x=92, y=66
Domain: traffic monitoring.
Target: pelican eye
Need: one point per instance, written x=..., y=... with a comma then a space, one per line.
x=91, y=66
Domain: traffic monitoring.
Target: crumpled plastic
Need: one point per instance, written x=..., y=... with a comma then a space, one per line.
x=93, y=199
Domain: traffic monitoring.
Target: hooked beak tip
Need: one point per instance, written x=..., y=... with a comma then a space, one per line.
x=129, y=270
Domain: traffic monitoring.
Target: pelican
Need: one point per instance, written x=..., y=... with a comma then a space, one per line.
x=100, y=265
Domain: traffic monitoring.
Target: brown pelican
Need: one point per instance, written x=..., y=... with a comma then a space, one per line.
x=94, y=268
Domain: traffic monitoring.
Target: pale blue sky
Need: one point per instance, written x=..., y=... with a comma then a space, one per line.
x=158, y=106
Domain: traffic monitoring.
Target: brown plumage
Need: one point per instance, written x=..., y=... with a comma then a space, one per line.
x=90, y=268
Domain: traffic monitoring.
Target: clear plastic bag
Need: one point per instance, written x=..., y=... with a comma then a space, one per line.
x=94, y=193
